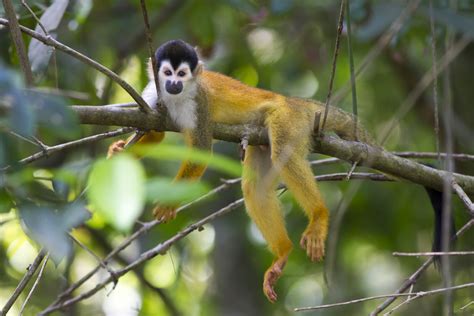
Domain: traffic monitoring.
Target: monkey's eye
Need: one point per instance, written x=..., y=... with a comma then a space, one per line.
x=181, y=73
x=168, y=72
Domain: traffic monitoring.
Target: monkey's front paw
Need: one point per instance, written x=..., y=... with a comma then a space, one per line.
x=164, y=213
x=313, y=241
x=115, y=148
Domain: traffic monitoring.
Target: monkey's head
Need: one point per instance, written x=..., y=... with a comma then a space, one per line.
x=178, y=66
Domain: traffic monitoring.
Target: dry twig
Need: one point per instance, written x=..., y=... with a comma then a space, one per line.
x=24, y=281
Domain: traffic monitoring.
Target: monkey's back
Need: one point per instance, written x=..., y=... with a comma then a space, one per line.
x=233, y=102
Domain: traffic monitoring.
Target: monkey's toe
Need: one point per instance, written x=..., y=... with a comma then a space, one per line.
x=313, y=243
x=271, y=276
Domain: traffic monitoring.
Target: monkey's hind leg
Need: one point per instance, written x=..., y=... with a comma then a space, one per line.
x=289, y=150
x=263, y=207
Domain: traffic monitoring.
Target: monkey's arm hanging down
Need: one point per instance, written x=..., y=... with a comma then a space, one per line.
x=195, y=97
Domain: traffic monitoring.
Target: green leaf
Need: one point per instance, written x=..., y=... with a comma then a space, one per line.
x=22, y=111
x=49, y=227
x=39, y=53
x=117, y=190
x=169, y=192
x=53, y=115
x=6, y=201
x=171, y=152
x=9, y=151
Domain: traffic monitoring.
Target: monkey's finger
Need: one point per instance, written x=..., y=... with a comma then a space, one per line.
x=270, y=292
x=303, y=242
x=115, y=148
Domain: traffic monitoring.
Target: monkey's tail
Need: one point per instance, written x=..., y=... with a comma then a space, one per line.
x=346, y=126
x=436, y=199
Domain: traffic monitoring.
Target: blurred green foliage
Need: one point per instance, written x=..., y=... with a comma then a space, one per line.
x=281, y=45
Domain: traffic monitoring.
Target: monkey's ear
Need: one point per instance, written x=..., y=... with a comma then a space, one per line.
x=149, y=70
x=198, y=69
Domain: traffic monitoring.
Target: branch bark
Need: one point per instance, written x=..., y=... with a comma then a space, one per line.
x=18, y=42
x=24, y=282
x=364, y=154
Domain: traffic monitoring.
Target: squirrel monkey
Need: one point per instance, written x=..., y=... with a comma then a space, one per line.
x=194, y=97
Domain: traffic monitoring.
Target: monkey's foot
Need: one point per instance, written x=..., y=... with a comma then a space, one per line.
x=271, y=277
x=115, y=148
x=313, y=240
x=165, y=213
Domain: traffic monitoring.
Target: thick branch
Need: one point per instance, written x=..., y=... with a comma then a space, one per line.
x=329, y=145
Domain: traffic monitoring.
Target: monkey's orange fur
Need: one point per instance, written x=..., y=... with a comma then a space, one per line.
x=290, y=123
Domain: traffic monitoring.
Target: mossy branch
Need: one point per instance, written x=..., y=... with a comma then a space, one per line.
x=365, y=155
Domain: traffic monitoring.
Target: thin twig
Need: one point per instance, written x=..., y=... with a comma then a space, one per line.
x=467, y=305
x=33, y=14
x=415, y=296
x=30, y=271
x=464, y=198
x=351, y=171
x=34, y=141
x=97, y=258
x=50, y=41
x=18, y=41
x=334, y=63
x=429, y=155
x=64, y=93
x=150, y=46
x=414, y=277
x=433, y=253
x=435, y=81
x=52, y=149
x=421, y=294
x=351, y=68
x=447, y=210
x=38, y=278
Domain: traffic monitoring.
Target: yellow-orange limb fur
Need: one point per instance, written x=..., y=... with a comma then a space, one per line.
x=263, y=206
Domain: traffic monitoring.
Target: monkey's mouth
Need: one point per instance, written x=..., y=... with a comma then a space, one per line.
x=174, y=87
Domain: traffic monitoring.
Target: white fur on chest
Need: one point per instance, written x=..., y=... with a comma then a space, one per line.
x=182, y=107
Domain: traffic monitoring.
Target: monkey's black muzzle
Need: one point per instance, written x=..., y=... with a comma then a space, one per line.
x=174, y=87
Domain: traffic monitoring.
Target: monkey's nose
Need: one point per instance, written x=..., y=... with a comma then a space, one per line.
x=174, y=87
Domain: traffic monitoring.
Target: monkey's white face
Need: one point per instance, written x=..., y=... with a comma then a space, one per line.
x=174, y=81
x=178, y=89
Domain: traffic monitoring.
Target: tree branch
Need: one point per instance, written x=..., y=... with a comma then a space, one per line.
x=30, y=271
x=52, y=149
x=364, y=154
x=414, y=277
x=18, y=42
x=412, y=296
x=50, y=41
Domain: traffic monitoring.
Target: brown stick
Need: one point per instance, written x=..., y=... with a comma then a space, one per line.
x=30, y=271
x=18, y=42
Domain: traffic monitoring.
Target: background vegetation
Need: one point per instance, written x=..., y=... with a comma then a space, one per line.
x=281, y=45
